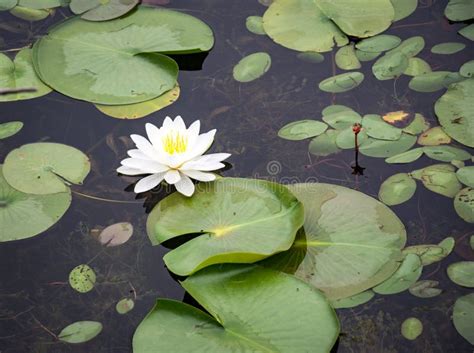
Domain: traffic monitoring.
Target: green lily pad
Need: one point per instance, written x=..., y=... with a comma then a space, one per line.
x=350, y=241
x=353, y=301
x=45, y=168
x=32, y=15
x=41, y=4
x=252, y=67
x=377, y=128
x=440, y=179
x=339, y=118
x=140, y=110
x=411, y=47
x=228, y=213
x=417, y=66
x=403, y=278
x=80, y=331
x=379, y=43
x=82, y=278
x=446, y=153
x=346, y=59
x=467, y=32
x=430, y=82
x=124, y=306
x=471, y=242
x=459, y=10
x=462, y=273
x=345, y=139
x=463, y=317
x=25, y=215
x=464, y=204
x=324, y=144
x=118, y=62
x=342, y=83
x=390, y=66
x=425, y=289
x=241, y=319
x=406, y=157
x=365, y=55
x=384, y=148
x=430, y=253
x=397, y=189
x=255, y=25
x=455, y=111
x=418, y=125
x=403, y=8
x=467, y=69
x=100, y=10
x=302, y=129
x=7, y=4
x=412, y=328
x=434, y=137
x=466, y=175
x=458, y=164
x=10, y=129
x=311, y=57
x=447, y=245
x=19, y=73
x=448, y=48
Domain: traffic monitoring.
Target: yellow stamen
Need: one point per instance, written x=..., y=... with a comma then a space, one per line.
x=174, y=142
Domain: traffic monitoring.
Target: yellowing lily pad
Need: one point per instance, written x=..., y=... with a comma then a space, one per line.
x=397, y=189
x=462, y=273
x=45, y=168
x=80, y=331
x=228, y=214
x=10, y=129
x=434, y=137
x=302, y=129
x=82, y=278
x=405, y=276
x=463, y=317
x=252, y=67
x=342, y=83
x=464, y=204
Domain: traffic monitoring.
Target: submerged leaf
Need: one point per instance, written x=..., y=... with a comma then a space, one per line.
x=252, y=67
x=397, y=189
x=82, y=278
x=463, y=317
x=10, y=129
x=342, y=83
x=116, y=234
x=462, y=273
x=425, y=289
x=412, y=328
x=80, y=331
x=302, y=129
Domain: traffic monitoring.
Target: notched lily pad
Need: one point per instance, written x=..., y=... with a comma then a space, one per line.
x=397, y=189
x=346, y=59
x=342, y=83
x=417, y=66
x=302, y=129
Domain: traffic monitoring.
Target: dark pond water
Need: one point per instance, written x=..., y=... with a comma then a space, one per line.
x=34, y=294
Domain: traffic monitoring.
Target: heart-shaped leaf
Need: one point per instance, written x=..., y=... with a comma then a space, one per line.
x=99, y=10
x=252, y=67
x=342, y=83
x=397, y=189
x=463, y=317
x=302, y=129
x=80, y=331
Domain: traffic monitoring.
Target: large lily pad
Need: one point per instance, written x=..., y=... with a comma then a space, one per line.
x=239, y=220
x=45, y=168
x=19, y=73
x=464, y=204
x=99, y=10
x=342, y=83
x=350, y=243
x=118, y=62
x=462, y=273
x=455, y=111
x=463, y=317
x=405, y=276
x=397, y=189
x=25, y=215
x=302, y=129
x=252, y=309
x=252, y=67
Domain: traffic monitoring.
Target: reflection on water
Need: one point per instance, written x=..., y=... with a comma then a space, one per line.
x=36, y=301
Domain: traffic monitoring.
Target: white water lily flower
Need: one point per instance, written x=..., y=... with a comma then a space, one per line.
x=173, y=153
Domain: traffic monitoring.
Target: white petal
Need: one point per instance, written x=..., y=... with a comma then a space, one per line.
x=148, y=183
x=172, y=176
x=197, y=175
x=147, y=166
x=201, y=145
x=129, y=171
x=185, y=186
x=179, y=124
x=193, y=132
x=136, y=153
x=144, y=145
x=167, y=123
x=153, y=134
x=207, y=162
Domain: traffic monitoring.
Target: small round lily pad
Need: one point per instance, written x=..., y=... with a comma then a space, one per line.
x=412, y=328
x=116, y=234
x=125, y=305
x=82, y=278
x=397, y=189
x=252, y=67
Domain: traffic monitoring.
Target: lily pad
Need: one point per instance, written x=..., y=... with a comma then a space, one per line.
x=403, y=8
x=434, y=137
x=377, y=128
x=463, y=317
x=302, y=129
x=324, y=144
x=252, y=67
x=124, y=306
x=345, y=139
x=412, y=328
x=455, y=111
x=82, y=278
x=311, y=57
x=10, y=129
x=233, y=295
x=140, y=110
x=365, y=55
x=462, y=273
x=19, y=73
x=45, y=168
x=342, y=83
x=384, y=148
x=448, y=48
x=99, y=10
x=7, y=4
x=431, y=253
x=406, y=157
x=397, y=189
x=25, y=215
x=116, y=234
x=440, y=179
x=41, y=4
x=379, y=43
x=418, y=125
x=466, y=175
x=350, y=241
x=467, y=69
x=390, y=66
x=417, y=66
x=32, y=15
x=353, y=301
x=467, y=32
x=464, y=204
x=410, y=47
x=80, y=331
x=255, y=25
x=339, y=118
x=399, y=118
x=228, y=213
x=425, y=289
x=446, y=153
x=346, y=59
x=119, y=62
x=405, y=276
x=429, y=82
x=459, y=10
